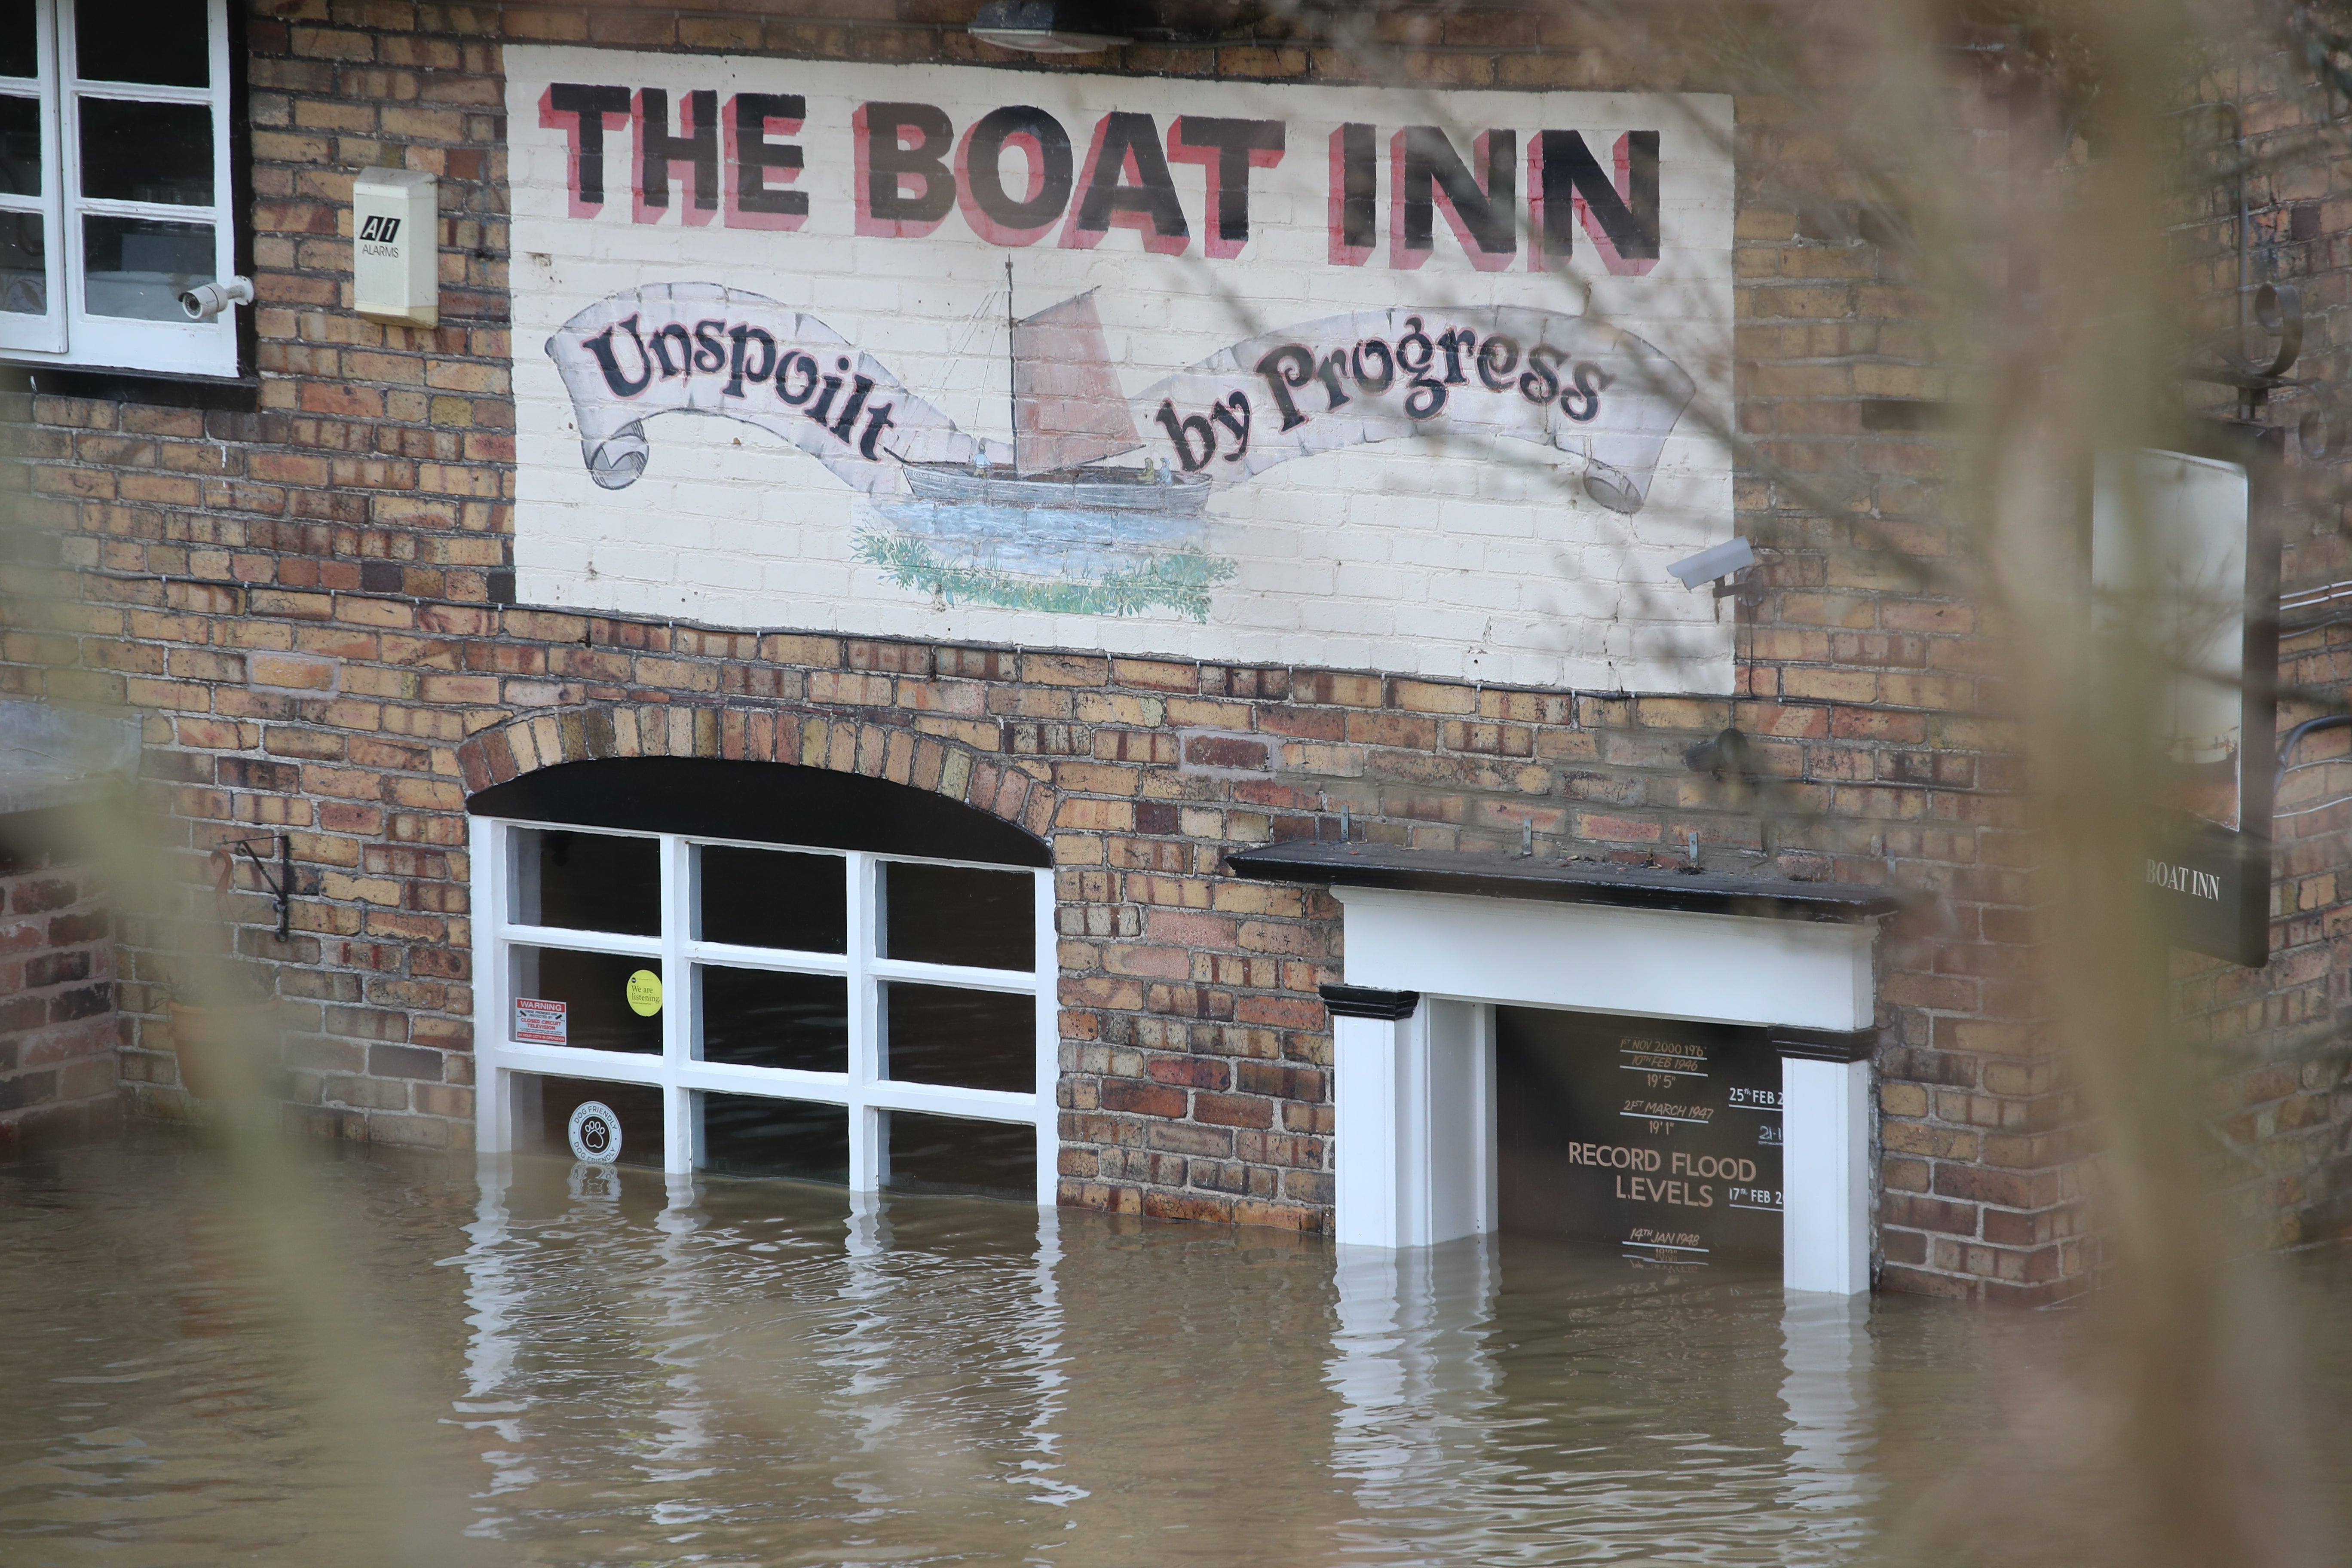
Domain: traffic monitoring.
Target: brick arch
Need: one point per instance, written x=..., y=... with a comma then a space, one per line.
x=985, y=781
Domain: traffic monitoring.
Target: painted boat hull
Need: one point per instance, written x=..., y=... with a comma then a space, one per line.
x=1110, y=492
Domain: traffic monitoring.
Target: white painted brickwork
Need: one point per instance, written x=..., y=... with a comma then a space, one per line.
x=1451, y=551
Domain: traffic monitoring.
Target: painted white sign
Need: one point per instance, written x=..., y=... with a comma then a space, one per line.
x=2169, y=567
x=1348, y=377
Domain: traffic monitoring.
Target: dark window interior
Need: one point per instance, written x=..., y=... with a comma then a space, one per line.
x=147, y=151
x=964, y=1039
x=950, y=1155
x=589, y=881
x=763, y=1018
x=751, y=1135
x=20, y=51
x=953, y=914
x=768, y=897
x=20, y=146
x=164, y=43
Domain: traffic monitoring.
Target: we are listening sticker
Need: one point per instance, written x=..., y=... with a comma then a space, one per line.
x=595, y=1132
x=645, y=993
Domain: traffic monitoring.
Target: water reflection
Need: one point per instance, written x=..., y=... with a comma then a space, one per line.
x=609, y=1367
x=1417, y=1387
x=1825, y=1346
x=1517, y=1400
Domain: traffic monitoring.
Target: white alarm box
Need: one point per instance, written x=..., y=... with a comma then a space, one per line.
x=396, y=247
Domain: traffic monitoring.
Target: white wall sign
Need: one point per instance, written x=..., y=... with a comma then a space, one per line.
x=1342, y=377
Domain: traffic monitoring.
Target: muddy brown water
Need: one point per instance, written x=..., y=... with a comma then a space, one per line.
x=414, y=1360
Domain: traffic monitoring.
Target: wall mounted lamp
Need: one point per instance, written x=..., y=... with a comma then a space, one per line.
x=1046, y=27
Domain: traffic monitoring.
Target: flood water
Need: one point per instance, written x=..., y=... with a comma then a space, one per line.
x=541, y=1364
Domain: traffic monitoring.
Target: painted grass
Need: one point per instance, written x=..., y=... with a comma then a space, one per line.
x=1181, y=582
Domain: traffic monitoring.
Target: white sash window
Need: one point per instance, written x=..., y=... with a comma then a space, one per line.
x=115, y=180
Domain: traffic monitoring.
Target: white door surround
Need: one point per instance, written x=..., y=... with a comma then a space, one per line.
x=1436, y=941
x=1604, y=958
x=1413, y=1058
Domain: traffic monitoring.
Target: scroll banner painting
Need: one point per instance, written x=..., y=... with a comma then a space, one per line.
x=1427, y=382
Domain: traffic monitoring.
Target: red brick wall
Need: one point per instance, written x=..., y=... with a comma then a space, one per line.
x=57, y=1026
x=304, y=600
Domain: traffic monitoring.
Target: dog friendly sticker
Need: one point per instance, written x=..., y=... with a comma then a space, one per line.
x=595, y=1133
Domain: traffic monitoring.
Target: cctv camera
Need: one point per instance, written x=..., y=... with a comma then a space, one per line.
x=1734, y=555
x=206, y=300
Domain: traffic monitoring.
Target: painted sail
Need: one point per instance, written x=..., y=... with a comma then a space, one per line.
x=1068, y=408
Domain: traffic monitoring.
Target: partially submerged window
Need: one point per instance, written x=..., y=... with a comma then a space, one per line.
x=855, y=1002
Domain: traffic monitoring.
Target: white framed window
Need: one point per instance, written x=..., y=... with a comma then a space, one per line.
x=877, y=1021
x=115, y=184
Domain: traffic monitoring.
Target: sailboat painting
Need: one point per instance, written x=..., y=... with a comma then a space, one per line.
x=1060, y=530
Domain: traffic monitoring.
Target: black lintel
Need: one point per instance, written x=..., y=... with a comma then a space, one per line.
x=1824, y=1045
x=1560, y=881
x=1369, y=1002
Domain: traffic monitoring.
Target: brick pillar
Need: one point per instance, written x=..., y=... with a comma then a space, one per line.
x=57, y=1005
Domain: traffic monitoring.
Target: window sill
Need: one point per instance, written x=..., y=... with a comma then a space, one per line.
x=238, y=394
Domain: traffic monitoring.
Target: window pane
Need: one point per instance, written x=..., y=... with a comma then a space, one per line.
x=147, y=151
x=20, y=52
x=20, y=146
x=757, y=1018
x=24, y=266
x=751, y=1135
x=138, y=267
x=950, y=1155
x=588, y=881
x=165, y=41
x=966, y=1039
x=946, y=914
x=544, y=1107
x=766, y=898
x=601, y=1000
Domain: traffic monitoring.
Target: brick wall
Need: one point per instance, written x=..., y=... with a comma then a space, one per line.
x=2278, y=1058
x=58, y=1026
x=304, y=600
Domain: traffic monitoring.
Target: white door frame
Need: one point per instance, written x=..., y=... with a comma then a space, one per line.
x=1412, y=1137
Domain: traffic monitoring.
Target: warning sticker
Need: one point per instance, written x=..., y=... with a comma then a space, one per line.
x=538, y=1023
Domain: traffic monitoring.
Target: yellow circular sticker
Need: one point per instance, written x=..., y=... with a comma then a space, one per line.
x=644, y=993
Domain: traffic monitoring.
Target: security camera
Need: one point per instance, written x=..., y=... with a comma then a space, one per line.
x=206, y=300
x=1734, y=555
